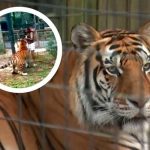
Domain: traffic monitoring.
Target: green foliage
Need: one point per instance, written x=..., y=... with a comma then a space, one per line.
x=52, y=45
x=2, y=50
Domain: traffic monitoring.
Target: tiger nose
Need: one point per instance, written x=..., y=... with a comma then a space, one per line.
x=139, y=103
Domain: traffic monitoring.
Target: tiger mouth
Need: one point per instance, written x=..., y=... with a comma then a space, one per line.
x=138, y=119
x=134, y=121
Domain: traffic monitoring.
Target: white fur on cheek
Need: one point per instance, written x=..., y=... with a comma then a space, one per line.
x=141, y=129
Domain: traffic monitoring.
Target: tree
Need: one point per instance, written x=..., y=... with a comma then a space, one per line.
x=1, y=42
x=10, y=32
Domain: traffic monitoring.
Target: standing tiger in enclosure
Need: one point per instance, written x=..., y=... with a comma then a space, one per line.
x=19, y=59
x=104, y=84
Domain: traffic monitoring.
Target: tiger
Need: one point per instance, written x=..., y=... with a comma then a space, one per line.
x=112, y=80
x=19, y=59
x=107, y=88
x=98, y=99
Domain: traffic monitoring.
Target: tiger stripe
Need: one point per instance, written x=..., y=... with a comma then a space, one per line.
x=14, y=130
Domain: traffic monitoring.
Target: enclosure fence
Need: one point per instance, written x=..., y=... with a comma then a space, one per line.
x=42, y=37
x=101, y=14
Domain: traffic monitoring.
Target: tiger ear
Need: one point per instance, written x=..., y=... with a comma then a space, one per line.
x=83, y=35
x=144, y=30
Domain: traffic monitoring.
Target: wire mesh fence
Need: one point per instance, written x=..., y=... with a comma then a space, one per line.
x=50, y=118
x=42, y=38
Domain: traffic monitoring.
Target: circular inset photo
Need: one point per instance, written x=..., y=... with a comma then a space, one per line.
x=30, y=49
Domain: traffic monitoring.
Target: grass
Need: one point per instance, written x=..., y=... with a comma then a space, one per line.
x=52, y=45
x=35, y=74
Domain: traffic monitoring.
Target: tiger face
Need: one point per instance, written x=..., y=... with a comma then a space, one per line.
x=112, y=78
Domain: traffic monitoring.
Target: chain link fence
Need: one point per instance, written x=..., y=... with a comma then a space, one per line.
x=50, y=119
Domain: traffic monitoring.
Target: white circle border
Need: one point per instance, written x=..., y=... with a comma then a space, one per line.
x=59, y=49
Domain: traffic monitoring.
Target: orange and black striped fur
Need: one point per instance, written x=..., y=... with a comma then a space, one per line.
x=112, y=81
x=18, y=60
x=99, y=98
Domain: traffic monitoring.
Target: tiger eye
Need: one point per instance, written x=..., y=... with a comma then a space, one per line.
x=113, y=70
x=146, y=67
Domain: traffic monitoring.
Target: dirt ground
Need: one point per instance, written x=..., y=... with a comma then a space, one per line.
x=5, y=73
x=35, y=74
